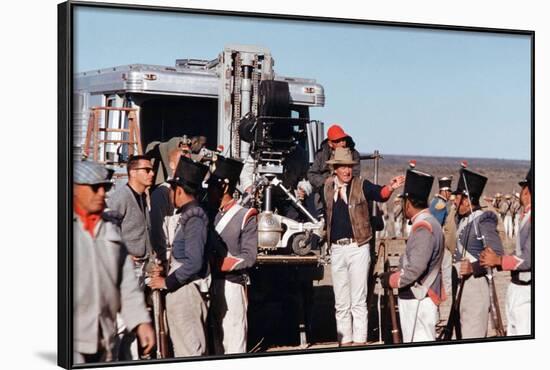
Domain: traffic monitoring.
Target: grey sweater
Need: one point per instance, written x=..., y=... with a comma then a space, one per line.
x=135, y=224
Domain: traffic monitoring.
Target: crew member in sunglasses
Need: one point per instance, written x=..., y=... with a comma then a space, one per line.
x=104, y=280
x=131, y=202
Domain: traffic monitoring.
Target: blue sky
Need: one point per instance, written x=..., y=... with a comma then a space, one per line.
x=398, y=90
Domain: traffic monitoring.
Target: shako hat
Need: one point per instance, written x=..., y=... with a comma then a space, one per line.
x=418, y=185
x=445, y=183
x=528, y=180
x=475, y=183
x=190, y=173
x=226, y=170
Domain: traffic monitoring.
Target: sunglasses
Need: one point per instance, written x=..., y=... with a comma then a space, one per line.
x=146, y=169
x=105, y=186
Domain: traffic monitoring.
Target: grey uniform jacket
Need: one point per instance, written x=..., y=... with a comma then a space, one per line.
x=486, y=222
x=240, y=239
x=104, y=284
x=520, y=261
x=423, y=254
x=188, y=249
x=135, y=222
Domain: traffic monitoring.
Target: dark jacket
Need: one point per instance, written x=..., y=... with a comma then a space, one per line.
x=135, y=224
x=320, y=170
x=486, y=224
x=189, y=247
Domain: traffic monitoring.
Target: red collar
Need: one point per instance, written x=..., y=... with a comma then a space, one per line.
x=89, y=221
x=228, y=205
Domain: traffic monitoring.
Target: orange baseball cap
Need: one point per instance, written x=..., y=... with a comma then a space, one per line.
x=335, y=132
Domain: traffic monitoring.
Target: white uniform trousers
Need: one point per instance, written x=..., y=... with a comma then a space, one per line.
x=228, y=315
x=186, y=315
x=398, y=228
x=518, y=309
x=418, y=319
x=349, y=266
x=474, y=308
x=508, y=226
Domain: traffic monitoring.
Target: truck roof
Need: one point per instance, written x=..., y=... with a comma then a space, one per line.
x=189, y=77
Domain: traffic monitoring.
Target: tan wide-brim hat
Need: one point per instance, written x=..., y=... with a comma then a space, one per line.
x=342, y=156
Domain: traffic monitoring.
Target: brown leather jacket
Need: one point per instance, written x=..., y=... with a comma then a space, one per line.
x=358, y=209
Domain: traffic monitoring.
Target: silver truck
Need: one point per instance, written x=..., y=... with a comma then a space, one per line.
x=136, y=104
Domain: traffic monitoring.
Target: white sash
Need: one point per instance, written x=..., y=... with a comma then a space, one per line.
x=226, y=218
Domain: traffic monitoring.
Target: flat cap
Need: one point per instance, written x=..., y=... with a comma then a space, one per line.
x=91, y=173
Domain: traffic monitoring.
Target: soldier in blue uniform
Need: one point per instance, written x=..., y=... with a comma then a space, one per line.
x=186, y=306
x=439, y=206
x=234, y=245
x=476, y=229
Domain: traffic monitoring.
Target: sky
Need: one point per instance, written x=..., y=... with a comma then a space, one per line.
x=394, y=89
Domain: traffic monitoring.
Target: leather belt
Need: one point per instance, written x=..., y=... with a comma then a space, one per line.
x=521, y=282
x=344, y=241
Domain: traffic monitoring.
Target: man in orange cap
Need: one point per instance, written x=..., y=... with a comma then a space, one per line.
x=320, y=170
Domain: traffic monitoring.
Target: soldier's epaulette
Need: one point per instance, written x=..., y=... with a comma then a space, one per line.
x=440, y=205
x=422, y=224
x=488, y=215
x=252, y=212
x=192, y=212
x=112, y=216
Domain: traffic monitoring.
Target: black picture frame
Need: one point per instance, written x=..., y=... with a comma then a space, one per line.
x=65, y=135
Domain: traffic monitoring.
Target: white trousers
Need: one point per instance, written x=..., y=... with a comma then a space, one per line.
x=186, y=314
x=228, y=310
x=349, y=267
x=408, y=228
x=516, y=224
x=508, y=226
x=398, y=228
x=474, y=308
x=518, y=309
x=418, y=319
x=447, y=272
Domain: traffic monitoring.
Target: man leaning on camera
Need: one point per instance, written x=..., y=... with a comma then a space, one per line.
x=349, y=229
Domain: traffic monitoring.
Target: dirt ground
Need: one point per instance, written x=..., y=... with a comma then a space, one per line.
x=294, y=304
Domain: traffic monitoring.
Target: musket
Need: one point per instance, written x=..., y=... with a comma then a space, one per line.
x=395, y=332
x=453, y=322
x=161, y=334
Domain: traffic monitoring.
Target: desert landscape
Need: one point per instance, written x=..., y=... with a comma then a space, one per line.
x=299, y=311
